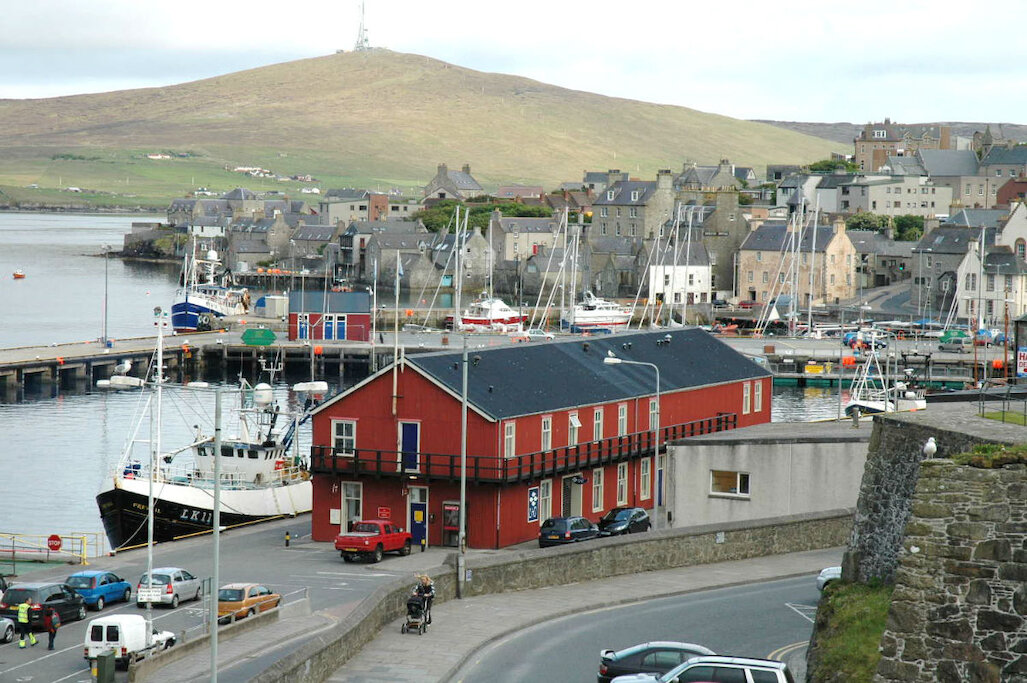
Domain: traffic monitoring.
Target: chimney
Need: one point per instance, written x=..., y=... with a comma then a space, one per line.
x=443, y=170
x=467, y=169
x=931, y=223
x=839, y=226
x=664, y=179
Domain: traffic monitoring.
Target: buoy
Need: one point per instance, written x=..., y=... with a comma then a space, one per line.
x=279, y=464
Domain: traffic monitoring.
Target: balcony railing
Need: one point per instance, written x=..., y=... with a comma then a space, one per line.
x=492, y=469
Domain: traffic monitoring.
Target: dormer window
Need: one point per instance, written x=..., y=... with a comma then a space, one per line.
x=880, y=134
x=609, y=194
x=634, y=195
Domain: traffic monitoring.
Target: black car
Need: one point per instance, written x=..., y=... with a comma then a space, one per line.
x=624, y=521
x=560, y=530
x=657, y=657
x=62, y=597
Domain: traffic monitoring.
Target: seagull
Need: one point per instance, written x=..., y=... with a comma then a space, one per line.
x=123, y=367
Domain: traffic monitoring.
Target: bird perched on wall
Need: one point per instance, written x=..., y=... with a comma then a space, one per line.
x=123, y=367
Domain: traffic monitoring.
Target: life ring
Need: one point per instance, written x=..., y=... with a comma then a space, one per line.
x=279, y=465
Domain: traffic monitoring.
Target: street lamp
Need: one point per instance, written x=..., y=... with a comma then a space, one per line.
x=612, y=359
x=461, y=558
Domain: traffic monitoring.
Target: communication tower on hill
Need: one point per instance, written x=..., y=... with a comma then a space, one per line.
x=362, y=43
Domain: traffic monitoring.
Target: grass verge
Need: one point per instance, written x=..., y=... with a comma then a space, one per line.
x=852, y=618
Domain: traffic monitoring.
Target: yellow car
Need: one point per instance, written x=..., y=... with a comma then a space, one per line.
x=237, y=600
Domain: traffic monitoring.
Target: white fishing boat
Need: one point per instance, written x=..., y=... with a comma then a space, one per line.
x=262, y=473
x=870, y=392
x=593, y=311
x=205, y=293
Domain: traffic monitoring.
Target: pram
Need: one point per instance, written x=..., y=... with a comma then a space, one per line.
x=417, y=615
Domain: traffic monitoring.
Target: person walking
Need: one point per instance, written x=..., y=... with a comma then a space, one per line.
x=24, y=624
x=425, y=589
x=51, y=622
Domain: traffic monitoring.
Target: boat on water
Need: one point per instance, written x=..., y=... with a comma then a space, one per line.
x=259, y=478
x=18, y=275
x=870, y=392
x=205, y=293
x=487, y=314
x=593, y=311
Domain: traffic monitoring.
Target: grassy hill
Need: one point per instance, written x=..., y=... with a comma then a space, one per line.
x=375, y=119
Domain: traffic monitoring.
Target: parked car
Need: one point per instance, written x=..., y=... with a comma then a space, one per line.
x=100, y=587
x=125, y=635
x=827, y=575
x=371, y=539
x=657, y=657
x=956, y=344
x=175, y=584
x=716, y=668
x=532, y=335
x=561, y=530
x=748, y=303
x=6, y=630
x=624, y=520
x=238, y=600
x=721, y=303
x=69, y=605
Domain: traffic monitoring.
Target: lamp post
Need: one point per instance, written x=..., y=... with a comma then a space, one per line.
x=461, y=558
x=612, y=359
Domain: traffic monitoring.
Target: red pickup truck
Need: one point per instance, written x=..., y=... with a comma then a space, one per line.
x=372, y=538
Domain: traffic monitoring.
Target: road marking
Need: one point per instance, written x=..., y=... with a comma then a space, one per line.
x=780, y=653
x=359, y=574
x=803, y=611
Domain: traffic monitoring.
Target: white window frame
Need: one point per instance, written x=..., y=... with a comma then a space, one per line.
x=545, y=500
x=654, y=413
x=597, y=489
x=622, y=419
x=742, y=484
x=757, y=397
x=547, y=433
x=509, y=439
x=573, y=425
x=746, y=395
x=622, y=483
x=597, y=425
x=645, y=478
x=336, y=438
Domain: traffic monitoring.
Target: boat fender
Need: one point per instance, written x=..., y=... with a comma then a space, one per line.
x=279, y=464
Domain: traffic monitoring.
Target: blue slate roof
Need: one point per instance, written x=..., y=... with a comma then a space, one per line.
x=1009, y=156
x=337, y=302
x=527, y=379
x=953, y=239
x=622, y=191
x=773, y=236
x=975, y=218
x=949, y=162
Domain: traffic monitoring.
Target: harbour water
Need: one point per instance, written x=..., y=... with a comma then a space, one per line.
x=59, y=446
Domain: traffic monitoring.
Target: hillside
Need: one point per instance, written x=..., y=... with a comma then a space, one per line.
x=376, y=119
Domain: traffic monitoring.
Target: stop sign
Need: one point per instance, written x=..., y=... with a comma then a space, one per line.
x=54, y=542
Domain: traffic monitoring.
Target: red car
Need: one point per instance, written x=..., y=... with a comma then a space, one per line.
x=748, y=303
x=371, y=539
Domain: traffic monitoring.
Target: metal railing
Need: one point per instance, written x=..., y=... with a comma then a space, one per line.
x=75, y=548
x=1011, y=398
x=493, y=469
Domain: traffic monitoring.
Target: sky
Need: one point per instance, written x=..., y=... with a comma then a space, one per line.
x=805, y=60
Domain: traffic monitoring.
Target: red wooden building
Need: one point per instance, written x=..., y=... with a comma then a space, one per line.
x=331, y=315
x=551, y=430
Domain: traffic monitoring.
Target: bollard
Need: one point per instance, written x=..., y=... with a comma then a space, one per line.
x=424, y=543
x=287, y=539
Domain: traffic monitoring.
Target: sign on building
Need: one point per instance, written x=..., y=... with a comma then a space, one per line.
x=533, y=504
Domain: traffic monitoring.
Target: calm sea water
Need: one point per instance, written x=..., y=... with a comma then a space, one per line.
x=59, y=447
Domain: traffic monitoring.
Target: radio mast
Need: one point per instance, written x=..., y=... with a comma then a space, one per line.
x=362, y=43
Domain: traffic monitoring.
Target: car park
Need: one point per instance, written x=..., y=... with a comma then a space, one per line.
x=624, y=520
x=563, y=530
x=827, y=576
x=174, y=584
x=716, y=668
x=99, y=587
x=238, y=600
x=69, y=605
x=657, y=657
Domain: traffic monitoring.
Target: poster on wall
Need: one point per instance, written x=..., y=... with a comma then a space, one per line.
x=533, y=504
x=1021, y=361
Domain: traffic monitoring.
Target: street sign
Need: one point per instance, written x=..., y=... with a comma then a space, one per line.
x=148, y=594
x=259, y=336
x=54, y=542
x=384, y=513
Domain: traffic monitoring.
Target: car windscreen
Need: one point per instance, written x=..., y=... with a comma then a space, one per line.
x=554, y=524
x=230, y=594
x=370, y=528
x=16, y=596
x=158, y=580
x=617, y=515
x=80, y=581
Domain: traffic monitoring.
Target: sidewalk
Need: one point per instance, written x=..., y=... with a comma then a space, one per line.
x=468, y=625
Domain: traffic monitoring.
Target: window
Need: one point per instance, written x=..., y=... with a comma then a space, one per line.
x=766, y=277
x=344, y=437
x=545, y=499
x=730, y=483
x=746, y=389
x=990, y=283
x=622, y=419
x=880, y=134
x=634, y=195
x=645, y=476
x=509, y=439
x=573, y=425
x=604, y=212
x=609, y=194
x=654, y=413
x=547, y=433
x=1009, y=283
x=750, y=276
x=759, y=255
x=597, y=489
x=633, y=212
x=622, y=483
x=352, y=498
x=1021, y=248
x=597, y=425
x=757, y=397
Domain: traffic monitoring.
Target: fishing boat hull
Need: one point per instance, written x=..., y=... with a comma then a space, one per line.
x=181, y=510
x=874, y=407
x=584, y=320
x=189, y=316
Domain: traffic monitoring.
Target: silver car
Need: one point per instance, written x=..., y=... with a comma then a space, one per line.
x=6, y=630
x=175, y=584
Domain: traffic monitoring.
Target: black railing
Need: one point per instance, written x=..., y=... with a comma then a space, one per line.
x=492, y=469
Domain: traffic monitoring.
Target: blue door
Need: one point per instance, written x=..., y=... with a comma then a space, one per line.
x=328, y=325
x=340, y=327
x=419, y=515
x=409, y=440
x=303, y=326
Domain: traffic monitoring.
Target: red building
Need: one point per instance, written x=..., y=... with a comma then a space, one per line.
x=331, y=315
x=551, y=430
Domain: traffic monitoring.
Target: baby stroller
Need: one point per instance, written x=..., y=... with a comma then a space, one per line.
x=417, y=615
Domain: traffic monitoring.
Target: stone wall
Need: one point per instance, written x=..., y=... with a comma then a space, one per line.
x=959, y=610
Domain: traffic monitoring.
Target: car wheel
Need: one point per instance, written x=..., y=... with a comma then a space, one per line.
x=174, y=601
x=406, y=549
x=346, y=558
x=198, y=593
x=128, y=594
x=81, y=612
x=378, y=554
x=99, y=604
x=8, y=633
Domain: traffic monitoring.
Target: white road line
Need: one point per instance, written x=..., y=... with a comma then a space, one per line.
x=803, y=610
x=356, y=574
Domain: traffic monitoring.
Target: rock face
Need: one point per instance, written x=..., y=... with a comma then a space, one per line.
x=959, y=610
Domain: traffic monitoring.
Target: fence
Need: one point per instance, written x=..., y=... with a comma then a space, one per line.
x=71, y=548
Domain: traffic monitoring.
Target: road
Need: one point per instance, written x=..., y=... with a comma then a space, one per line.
x=257, y=554
x=772, y=619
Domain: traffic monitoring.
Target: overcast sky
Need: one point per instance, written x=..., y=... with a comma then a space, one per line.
x=912, y=61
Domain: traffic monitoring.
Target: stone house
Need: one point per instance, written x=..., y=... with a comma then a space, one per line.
x=800, y=186
x=596, y=182
x=633, y=208
x=353, y=244
x=680, y=270
x=515, y=238
x=896, y=196
x=878, y=141
x=882, y=260
x=349, y=205
x=453, y=184
x=708, y=178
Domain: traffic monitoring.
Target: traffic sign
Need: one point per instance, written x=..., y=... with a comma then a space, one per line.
x=258, y=336
x=54, y=542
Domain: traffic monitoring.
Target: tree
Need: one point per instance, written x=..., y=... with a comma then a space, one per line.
x=866, y=221
x=440, y=215
x=908, y=228
x=832, y=165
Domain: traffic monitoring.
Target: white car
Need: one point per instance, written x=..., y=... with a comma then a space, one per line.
x=6, y=630
x=532, y=335
x=827, y=575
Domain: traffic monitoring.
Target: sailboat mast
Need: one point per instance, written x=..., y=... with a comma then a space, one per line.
x=155, y=424
x=668, y=302
x=568, y=307
x=688, y=258
x=812, y=264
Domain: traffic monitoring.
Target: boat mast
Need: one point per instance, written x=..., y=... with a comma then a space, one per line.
x=568, y=307
x=812, y=263
x=668, y=304
x=155, y=425
x=688, y=258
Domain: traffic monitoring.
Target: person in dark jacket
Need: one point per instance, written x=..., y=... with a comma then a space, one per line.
x=426, y=589
x=51, y=622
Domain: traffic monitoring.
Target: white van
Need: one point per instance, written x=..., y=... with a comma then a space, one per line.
x=125, y=635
